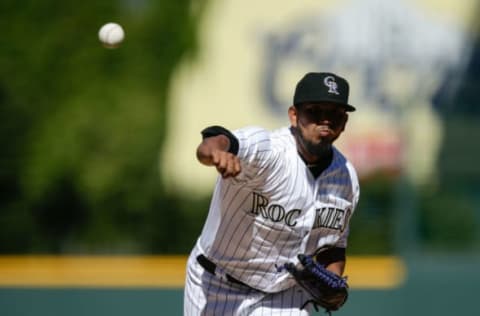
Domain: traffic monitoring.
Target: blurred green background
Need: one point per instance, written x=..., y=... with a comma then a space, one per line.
x=82, y=129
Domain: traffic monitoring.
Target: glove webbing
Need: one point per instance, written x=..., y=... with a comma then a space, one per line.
x=326, y=276
x=320, y=272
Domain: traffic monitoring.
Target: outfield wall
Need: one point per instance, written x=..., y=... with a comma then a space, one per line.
x=428, y=286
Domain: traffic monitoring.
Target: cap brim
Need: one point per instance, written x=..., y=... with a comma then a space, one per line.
x=348, y=107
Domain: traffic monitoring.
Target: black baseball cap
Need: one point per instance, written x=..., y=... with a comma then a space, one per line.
x=318, y=87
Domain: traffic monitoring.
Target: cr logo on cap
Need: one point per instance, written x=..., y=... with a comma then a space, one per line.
x=329, y=81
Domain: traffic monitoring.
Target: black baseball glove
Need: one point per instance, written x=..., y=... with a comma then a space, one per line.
x=326, y=288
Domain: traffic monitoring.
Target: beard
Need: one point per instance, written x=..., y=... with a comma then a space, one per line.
x=319, y=149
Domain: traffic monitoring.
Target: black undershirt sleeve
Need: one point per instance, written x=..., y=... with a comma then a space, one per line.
x=219, y=130
x=331, y=255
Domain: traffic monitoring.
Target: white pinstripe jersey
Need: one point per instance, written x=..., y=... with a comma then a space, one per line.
x=275, y=209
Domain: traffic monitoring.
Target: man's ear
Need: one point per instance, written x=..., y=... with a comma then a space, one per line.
x=292, y=115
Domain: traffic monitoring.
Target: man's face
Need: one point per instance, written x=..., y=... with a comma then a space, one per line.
x=317, y=126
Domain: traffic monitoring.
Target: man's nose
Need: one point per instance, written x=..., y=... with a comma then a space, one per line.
x=322, y=117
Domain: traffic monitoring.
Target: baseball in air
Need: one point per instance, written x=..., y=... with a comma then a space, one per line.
x=111, y=35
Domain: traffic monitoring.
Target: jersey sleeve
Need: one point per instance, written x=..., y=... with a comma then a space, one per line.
x=355, y=196
x=255, y=153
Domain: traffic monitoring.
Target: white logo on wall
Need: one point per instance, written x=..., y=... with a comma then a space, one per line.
x=396, y=55
x=329, y=81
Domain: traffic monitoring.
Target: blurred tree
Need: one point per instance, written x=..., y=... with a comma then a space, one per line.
x=82, y=126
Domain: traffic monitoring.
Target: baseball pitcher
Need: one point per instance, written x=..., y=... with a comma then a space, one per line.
x=275, y=236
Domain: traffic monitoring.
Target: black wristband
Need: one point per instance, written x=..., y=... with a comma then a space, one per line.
x=219, y=130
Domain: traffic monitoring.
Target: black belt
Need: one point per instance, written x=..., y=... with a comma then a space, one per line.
x=211, y=267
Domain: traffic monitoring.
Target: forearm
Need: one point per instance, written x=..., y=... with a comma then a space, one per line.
x=333, y=259
x=337, y=267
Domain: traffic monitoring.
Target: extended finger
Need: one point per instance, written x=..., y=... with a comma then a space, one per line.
x=232, y=167
x=221, y=162
x=216, y=157
x=236, y=166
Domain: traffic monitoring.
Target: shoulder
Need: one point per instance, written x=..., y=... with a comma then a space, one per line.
x=258, y=145
x=251, y=131
x=254, y=141
x=256, y=134
x=347, y=170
